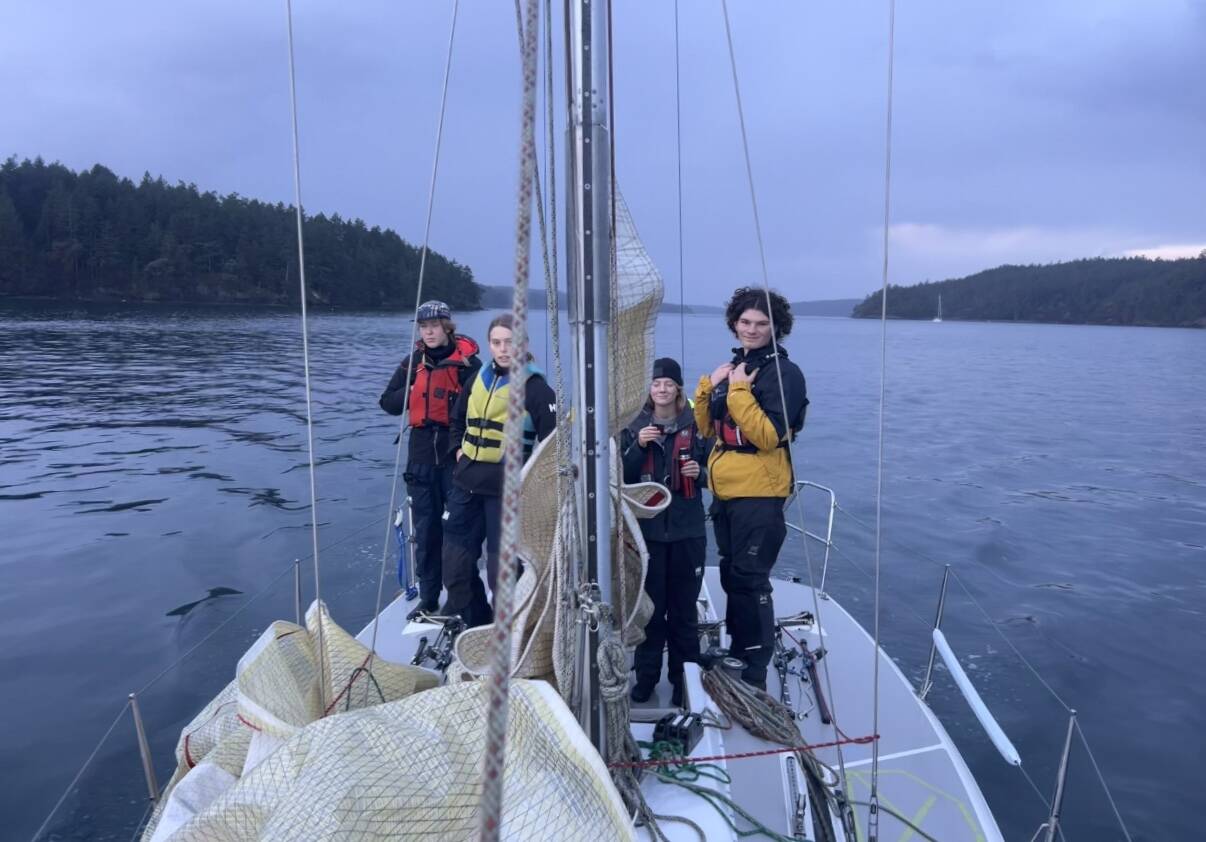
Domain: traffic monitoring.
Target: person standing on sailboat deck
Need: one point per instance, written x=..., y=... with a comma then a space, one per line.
x=443, y=362
x=662, y=444
x=475, y=503
x=754, y=405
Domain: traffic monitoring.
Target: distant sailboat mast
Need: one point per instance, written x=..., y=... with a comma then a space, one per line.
x=938, y=318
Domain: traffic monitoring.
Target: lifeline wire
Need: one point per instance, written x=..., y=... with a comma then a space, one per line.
x=778, y=367
x=301, y=272
x=403, y=428
x=80, y=773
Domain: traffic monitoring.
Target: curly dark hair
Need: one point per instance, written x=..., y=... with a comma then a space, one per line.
x=752, y=298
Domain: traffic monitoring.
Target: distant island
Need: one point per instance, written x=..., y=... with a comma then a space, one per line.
x=92, y=236
x=1105, y=291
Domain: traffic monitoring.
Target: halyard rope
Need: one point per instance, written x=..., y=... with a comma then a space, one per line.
x=499, y=680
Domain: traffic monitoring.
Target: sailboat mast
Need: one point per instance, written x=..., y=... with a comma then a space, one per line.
x=589, y=272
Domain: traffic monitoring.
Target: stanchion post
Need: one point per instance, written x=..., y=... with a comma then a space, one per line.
x=1057, y=802
x=144, y=749
x=926, y=683
x=297, y=599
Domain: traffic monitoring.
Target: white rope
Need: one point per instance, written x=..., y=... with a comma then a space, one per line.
x=873, y=818
x=301, y=272
x=798, y=505
x=403, y=426
x=504, y=594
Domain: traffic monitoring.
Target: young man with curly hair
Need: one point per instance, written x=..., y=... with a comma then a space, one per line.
x=753, y=405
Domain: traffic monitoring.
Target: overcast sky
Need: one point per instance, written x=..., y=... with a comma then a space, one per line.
x=1029, y=131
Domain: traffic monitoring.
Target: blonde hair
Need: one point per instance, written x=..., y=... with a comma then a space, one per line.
x=680, y=401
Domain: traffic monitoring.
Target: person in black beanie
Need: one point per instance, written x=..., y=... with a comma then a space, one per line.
x=434, y=375
x=662, y=444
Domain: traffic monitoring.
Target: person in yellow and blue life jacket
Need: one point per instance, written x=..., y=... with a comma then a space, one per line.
x=754, y=405
x=662, y=444
x=443, y=362
x=475, y=503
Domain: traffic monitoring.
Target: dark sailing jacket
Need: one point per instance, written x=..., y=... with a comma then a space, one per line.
x=683, y=518
x=540, y=403
x=762, y=467
x=430, y=443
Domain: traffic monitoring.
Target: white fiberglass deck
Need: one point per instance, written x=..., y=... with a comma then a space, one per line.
x=922, y=776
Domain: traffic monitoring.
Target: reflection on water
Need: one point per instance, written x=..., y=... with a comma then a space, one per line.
x=152, y=454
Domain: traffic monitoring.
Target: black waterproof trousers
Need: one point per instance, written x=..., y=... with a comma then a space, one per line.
x=472, y=519
x=673, y=581
x=749, y=533
x=428, y=487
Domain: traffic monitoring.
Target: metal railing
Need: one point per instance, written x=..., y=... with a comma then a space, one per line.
x=1051, y=828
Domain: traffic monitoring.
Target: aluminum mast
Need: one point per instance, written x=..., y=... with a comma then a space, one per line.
x=589, y=272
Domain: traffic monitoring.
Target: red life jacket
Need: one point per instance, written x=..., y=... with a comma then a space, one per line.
x=435, y=387
x=680, y=442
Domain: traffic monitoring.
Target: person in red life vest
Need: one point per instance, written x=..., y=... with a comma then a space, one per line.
x=662, y=444
x=753, y=405
x=475, y=502
x=443, y=362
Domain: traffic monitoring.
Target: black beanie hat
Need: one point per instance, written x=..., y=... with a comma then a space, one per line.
x=667, y=367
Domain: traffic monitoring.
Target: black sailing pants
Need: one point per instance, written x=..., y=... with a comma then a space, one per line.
x=749, y=533
x=472, y=518
x=673, y=581
x=428, y=487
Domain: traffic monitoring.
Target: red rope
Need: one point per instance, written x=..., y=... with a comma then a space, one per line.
x=678, y=761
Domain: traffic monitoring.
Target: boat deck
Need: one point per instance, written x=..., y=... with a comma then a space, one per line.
x=922, y=776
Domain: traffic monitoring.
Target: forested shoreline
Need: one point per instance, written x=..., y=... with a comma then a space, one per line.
x=1107, y=291
x=93, y=236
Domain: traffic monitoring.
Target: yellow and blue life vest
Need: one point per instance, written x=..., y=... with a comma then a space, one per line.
x=486, y=417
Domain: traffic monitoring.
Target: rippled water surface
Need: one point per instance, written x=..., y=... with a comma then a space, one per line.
x=153, y=482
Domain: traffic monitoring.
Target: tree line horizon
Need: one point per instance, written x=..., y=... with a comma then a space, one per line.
x=95, y=236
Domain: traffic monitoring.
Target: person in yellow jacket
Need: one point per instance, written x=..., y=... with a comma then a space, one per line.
x=753, y=405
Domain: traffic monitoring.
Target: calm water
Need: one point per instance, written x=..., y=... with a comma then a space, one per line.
x=151, y=455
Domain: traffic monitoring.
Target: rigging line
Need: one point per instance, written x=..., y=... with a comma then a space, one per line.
x=678, y=135
x=142, y=823
x=1101, y=778
x=995, y=627
x=301, y=273
x=80, y=773
x=930, y=559
x=498, y=684
x=546, y=133
x=798, y=504
x=873, y=818
x=1035, y=787
x=216, y=629
x=403, y=427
